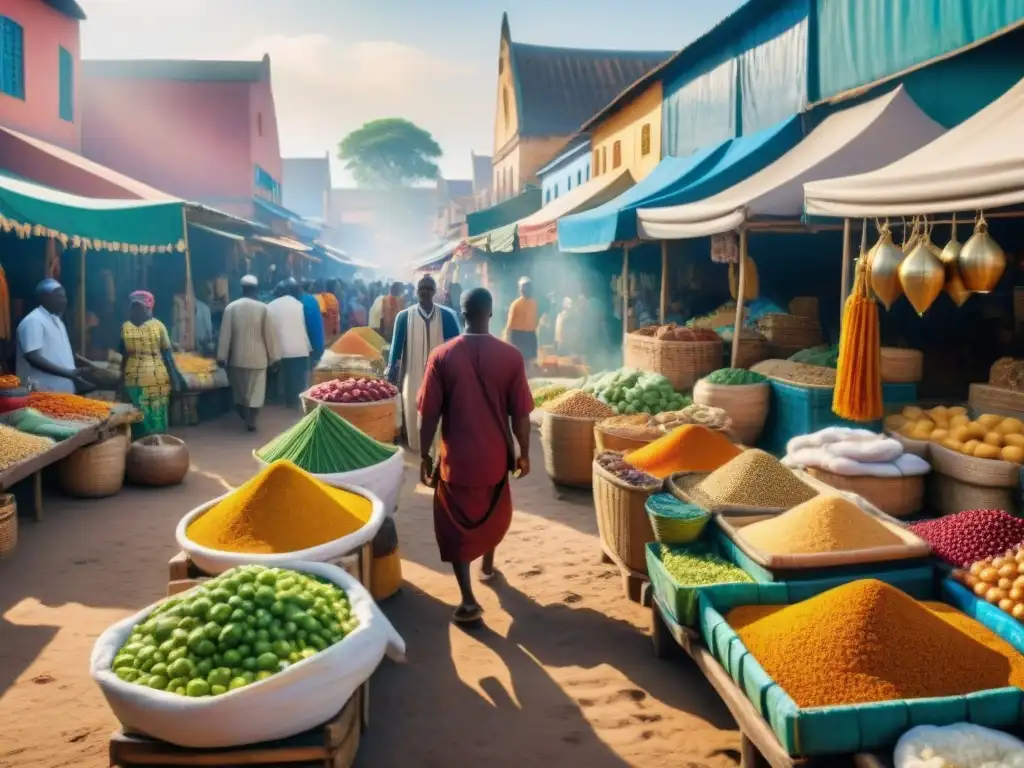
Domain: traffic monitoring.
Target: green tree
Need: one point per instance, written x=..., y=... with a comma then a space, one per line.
x=390, y=152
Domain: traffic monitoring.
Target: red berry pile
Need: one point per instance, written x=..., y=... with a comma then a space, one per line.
x=354, y=391
x=967, y=537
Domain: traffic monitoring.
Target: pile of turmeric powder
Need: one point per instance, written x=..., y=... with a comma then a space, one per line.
x=352, y=343
x=282, y=509
x=689, y=448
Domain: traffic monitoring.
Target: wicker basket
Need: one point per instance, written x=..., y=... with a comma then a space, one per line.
x=683, y=362
x=8, y=525
x=673, y=530
x=805, y=306
x=990, y=473
x=622, y=519
x=568, y=444
x=638, y=352
x=609, y=441
x=790, y=331
x=95, y=471
x=746, y=404
x=901, y=366
x=750, y=352
x=378, y=419
x=985, y=398
x=947, y=495
x=157, y=460
x=896, y=496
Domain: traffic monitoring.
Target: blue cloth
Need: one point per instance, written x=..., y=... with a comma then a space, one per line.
x=449, y=330
x=314, y=323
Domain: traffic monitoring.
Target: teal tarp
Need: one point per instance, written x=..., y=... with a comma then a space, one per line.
x=126, y=223
x=504, y=213
x=861, y=41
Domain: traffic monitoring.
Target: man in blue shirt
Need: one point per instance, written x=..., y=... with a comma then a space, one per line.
x=314, y=324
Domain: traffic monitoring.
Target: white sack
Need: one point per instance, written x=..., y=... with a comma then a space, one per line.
x=383, y=480
x=958, y=746
x=910, y=464
x=213, y=561
x=878, y=449
x=301, y=697
x=822, y=458
x=829, y=435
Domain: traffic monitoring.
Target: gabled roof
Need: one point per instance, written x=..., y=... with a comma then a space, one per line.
x=68, y=8
x=192, y=70
x=560, y=89
x=573, y=148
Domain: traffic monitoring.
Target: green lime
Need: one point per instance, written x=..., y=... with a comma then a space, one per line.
x=220, y=595
x=263, y=674
x=166, y=647
x=268, y=662
x=235, y=601
x=124, y=661
x=282, y=648
x=177, y=653
x=266, y=578
x=127, y=674
x=180, y=668
x=232, y=658
x=142, y=680
x=200, y=608
x=276, y=608
x=219, y=676
x=211, y=630
x=202, y=668
x=246, y=592
x=237, y=682
x=197, y=687
x=249, y=664
x=221, y=613
x=176, y=683
x=265, y=596
x=159, y=669
x=262, y=646
x=244, y=650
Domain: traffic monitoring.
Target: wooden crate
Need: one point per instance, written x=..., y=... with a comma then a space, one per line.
x=331, y=745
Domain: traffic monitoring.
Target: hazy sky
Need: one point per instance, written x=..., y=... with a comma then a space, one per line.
x=339, y=63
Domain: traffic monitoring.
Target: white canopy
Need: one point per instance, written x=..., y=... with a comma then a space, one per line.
x=978, y=164
x=863, y=137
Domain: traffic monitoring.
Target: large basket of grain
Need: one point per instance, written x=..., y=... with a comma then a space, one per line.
x=624, y=433
x=567, y=436
x=622, y=520
x=746, y=404
x=901, y=365
x=896, y=496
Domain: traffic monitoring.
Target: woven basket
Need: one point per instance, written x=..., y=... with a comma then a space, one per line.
x=788, y=331
x=746, y=404
x=95, y=471
x=622, y=519
x=673, y=530
x=8, y=525
x=568, y=444
x=719, y=319
x=896, y=496
x=377, y=419
x=638, y=352
x=157, y=460
x=609, y=441
x=991, y=473
x=916, y=447
x=805, y=306
x=901, y=366
x=985, y=398
x=683, y=362
x=947, y=495
x=750, y=352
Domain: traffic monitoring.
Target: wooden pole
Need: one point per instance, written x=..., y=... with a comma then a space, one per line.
x=845, y=281
x=741, y=290
x=663, y=308
x=190, y=308
x=625, y=294
x=81, y=301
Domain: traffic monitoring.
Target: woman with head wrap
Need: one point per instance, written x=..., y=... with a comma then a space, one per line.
x=148, y=372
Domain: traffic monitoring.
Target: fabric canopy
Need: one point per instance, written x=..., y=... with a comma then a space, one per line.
x=134, y=226
x=504, y=213
x=436, y=255
x=541, y=228
x=860, y=138
x=976, y=165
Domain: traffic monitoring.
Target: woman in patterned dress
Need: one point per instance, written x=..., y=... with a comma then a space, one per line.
x=148, y=372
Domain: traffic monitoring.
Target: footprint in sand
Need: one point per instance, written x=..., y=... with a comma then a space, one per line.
x=627, y=694
x=535, y=571
x=571, y=598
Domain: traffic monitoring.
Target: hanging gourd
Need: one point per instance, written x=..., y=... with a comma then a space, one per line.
x=982, y=261
x=858, y=391
x=950, y=256
x=751, y=283
x=885, y=260
x=922, y=275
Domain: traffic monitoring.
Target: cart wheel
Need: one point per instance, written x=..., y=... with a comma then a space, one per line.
x=664, y=644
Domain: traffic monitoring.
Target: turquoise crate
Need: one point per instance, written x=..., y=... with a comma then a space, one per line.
x=796, y=410
x=818, y=731
x=681, y=600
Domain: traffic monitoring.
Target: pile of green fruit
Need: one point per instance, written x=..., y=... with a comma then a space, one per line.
x=628, y=391
x=825, y=355
x=241, y=627
x=734, y=377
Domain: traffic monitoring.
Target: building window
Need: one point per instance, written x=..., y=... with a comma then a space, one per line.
x=588, y=172
x=604, y=160
x=579, y=178
x=568, y=183
x=547, y=196
x=267, y=186
x=12, y=58
x=645, y=140
x=556, y=191
x=66, y=67
x=259, y=123
x=617, y=154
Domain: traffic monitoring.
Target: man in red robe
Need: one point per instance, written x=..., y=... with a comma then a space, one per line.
x=474, y=386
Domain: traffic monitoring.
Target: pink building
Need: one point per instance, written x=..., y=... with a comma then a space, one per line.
x=200, y=130
x=39, y=69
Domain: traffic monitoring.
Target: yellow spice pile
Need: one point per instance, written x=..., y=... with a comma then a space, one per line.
x=579, y=404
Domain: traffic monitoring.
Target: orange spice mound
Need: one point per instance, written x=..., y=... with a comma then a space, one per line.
x=67, y=407
x=352, y=343
x=689, y=448
x=9, y=381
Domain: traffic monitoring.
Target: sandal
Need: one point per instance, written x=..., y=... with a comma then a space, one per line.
x=491, y=575
x=467, y=615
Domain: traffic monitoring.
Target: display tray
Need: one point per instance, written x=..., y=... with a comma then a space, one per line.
x=861, y=727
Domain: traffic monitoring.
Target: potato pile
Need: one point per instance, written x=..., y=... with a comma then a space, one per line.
x=998, y=580
x=990, y=436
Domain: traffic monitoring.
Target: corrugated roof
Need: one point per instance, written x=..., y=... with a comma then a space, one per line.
x=68, y=8
x=560, y=89
x=192, y=70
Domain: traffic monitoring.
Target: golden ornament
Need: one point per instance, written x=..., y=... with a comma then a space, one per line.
x=885, y=259
x=982, y=260
x=922, y=276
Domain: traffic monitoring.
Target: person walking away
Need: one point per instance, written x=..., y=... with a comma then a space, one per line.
x=314, y=327
x=332, y=317
x=419, y=330
x=523, y=317
x=43, y=353
x=390, y=306
x=247, y=348
x=473, y=386
x=287, y=316
x=148, y=371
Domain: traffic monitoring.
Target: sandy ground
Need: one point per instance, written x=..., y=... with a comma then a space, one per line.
x=562, y=671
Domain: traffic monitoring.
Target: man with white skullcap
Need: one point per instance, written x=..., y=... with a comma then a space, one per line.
x=248, y=346
x=44, y=353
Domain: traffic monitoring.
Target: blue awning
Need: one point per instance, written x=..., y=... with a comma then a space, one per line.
x=276, y=210
x=677, y=181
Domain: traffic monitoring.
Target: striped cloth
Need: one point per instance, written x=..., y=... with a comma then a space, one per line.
x=247, y=338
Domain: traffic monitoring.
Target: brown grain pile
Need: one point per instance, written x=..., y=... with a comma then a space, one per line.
x=752, y=479
x=791, y=372
x=823, y=524
x=632, y=426
x=580, y=405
